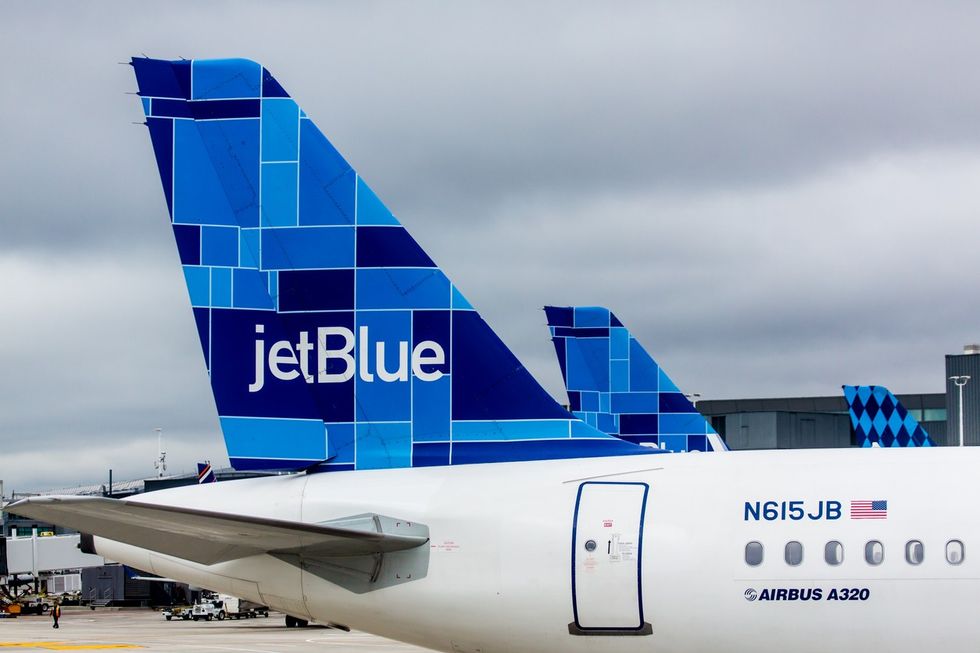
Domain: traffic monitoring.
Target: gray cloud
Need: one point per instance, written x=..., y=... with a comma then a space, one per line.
x=776, y=197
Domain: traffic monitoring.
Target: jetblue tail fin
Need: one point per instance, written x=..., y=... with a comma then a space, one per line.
x=880, y=419
x=329, y=334
x=614, y=384
x=205, y=474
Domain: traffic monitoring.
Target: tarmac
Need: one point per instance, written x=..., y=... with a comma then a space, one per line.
x=147, y=630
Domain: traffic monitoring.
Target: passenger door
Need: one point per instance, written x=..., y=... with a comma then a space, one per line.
x=607, y=548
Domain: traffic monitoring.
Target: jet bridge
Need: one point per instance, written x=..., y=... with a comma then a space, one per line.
x=35, y=555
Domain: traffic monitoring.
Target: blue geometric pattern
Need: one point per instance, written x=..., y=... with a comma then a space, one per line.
x=878, y=417
x=330, y=336
x=614, y=385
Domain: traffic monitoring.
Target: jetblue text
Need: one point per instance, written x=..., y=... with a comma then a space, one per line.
x=286, y=360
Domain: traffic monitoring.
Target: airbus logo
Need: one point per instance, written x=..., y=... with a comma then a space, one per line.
x=287, y=361
x=807, y=594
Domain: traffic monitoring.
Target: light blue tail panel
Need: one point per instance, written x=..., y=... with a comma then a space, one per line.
x=329, y=334
x=616, y=386
x=878, y=417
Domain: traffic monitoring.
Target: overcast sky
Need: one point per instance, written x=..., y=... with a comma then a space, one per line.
x=775, y=197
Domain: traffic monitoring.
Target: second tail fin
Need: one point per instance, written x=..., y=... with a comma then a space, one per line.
x=616, y=386
x=879, y=418
x=205, y=473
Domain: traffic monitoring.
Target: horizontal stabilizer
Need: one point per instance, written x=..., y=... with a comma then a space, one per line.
x=211, y=537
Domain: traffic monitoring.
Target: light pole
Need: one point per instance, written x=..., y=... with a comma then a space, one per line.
x=693, y=398
x=161, y=462
x=960, y=381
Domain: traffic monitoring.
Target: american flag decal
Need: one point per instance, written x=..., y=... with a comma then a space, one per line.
x=877, y=509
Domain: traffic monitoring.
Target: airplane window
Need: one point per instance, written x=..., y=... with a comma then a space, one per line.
x=753, y=554
x=874, y=552
x=914, y=552
x=833, y=553
x=954, y=552
x=794, y=553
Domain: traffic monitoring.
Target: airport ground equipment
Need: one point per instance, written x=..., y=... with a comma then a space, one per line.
x=224, y=606
x=206, y=610
x=35, y=605
x=232, y=607
x=25, y=604
x=217, y=606
x=122, y=585
x=182, y=612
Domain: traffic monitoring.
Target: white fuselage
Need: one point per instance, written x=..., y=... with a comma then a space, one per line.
x=500, y=571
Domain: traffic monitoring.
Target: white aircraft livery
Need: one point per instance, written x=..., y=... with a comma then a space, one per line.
x=437, y=494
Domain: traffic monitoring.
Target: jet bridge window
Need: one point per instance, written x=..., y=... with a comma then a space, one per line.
x=874, y=552
x=954, y=552
x=914, y=552
x=794, y=553
x=753, y=554
x=833, y=553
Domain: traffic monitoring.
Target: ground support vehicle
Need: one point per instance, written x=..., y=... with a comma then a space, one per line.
x=225, y=606
x=181, y=612
x=232, y=607
x=205, y=610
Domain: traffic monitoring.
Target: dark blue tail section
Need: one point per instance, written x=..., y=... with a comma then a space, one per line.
x=879, y=418
x=329, y=334
x=205, y=474
x=616, y=386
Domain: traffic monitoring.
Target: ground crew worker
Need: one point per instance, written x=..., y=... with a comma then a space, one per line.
x=56, y=613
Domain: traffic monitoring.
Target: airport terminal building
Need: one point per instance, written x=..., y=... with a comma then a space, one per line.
x=814, y=422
